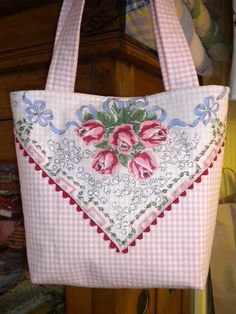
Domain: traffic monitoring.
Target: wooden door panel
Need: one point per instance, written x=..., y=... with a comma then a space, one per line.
x=125, y=301
x=147, y=83
x=29, y=28
x=34, y=78
x=134, y=80
x=25, y=78
x=108, y=301
x=78, y=300
x=7, y=147
x=173, y=301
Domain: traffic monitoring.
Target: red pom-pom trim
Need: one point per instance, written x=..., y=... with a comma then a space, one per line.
x=92, y=223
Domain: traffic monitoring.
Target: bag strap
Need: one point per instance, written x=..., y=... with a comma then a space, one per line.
x=176, y=62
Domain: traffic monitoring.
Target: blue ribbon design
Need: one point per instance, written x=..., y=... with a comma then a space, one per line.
x=27, y=100
x=67, y=126
x=106, y=106
x=132, y=104
x=155, y=109
x=136, y=103
x=178, y=122
x=53, y=128
x=90, y=109
x=222, y=95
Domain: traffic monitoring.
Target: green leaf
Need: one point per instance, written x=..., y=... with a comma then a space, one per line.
x=110, y=129
x=124, y=116
x=123, y=160
x=136, y=126
x=138, y=148
x=87, y=116
x=106, y=119
x=150, y=117
x=102, y=117
x=138, y=115
x=115, y=110
x=104, y=145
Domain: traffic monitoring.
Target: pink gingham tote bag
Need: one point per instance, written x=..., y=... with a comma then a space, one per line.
x=120, y=192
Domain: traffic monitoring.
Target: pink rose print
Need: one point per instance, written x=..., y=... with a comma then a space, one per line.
x=123, y=138
x=91, y=132
x=105, y=162
x=152, y=133
x=143, y=165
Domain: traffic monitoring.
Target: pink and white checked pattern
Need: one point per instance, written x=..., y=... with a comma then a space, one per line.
x=66, y=250
x=62, y=72
x=62, y=248
x=176, y=62
x=175, y=58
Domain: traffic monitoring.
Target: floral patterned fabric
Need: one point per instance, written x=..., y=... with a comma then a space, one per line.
x=123, y=161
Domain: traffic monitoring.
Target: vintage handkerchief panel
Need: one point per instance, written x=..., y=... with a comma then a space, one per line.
x=131, y=168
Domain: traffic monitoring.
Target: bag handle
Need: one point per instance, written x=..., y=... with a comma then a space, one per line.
x=176, y=62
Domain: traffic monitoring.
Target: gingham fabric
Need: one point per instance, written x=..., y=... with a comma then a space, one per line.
x=138, y=25
x=120, y=192
x=66, y=47
x=176, y=61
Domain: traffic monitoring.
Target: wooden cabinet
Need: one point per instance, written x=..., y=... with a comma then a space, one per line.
x=110, y=63
x=127, y=301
